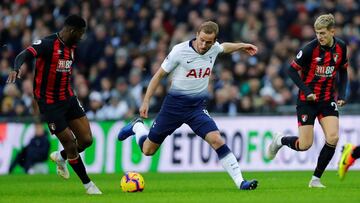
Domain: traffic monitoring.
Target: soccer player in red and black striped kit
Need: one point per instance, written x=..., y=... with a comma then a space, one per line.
x=320, y=62
x=56, y=100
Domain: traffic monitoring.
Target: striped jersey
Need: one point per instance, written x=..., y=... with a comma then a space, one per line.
x=319, y=66
x=53, y=68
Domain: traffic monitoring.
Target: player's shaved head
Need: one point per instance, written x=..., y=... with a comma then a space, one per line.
x=73, y=30
x=75, y=21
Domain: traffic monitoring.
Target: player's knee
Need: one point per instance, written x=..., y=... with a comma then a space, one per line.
x=333, y=139
x=148, y=151
x=87, y=142
x=305, y=146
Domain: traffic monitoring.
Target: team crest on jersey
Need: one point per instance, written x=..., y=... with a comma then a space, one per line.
x=52, y=126
x=335, y=57
x=304, y=117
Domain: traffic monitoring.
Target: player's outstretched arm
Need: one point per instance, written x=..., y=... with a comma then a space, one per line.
x=19, y=60
x=154, y=83
x=232, y=47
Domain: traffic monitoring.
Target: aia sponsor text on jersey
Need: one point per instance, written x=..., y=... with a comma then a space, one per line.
x=198, y=73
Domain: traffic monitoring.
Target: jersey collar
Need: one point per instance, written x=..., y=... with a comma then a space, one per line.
x=58, y=36
x=190, y=45
x=329, y=48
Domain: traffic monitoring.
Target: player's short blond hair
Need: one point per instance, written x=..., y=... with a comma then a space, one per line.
x=209, y=27
x=325, y=21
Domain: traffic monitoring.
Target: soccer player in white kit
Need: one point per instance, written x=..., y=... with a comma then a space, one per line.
x=191, y=63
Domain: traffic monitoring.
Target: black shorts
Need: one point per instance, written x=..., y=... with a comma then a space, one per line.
x=308, y=111
x=58, y=114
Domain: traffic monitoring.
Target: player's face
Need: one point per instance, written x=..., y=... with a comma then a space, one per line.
x=204, y=42
x=325, y=36
x=76, y=35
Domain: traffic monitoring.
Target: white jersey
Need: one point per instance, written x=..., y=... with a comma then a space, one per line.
x=191, y=70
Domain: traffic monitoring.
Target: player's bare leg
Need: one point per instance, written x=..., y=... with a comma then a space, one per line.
x=81, y=130
x=136, y=127
x=149, y=147
x=306, y=138
x=229, y=161
x=68, y=141
x=301, y=143
x=330, y=126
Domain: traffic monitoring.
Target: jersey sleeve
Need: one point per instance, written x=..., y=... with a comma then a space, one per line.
x=218, y=47
x=38, y=48
x=302, y=59
x=171, y=61
x=344, y=63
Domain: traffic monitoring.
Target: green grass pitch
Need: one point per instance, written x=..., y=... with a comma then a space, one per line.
x=183, y=187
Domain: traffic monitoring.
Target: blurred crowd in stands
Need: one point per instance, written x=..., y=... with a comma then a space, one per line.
x=126, y=42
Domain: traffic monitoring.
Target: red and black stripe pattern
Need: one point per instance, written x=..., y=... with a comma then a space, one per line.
x=53, y=69
x=319, y=67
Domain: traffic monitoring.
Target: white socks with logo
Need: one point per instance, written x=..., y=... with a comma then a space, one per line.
x=231, y=165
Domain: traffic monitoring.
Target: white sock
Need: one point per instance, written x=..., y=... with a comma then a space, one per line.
x=231, y=165
x=140, y=130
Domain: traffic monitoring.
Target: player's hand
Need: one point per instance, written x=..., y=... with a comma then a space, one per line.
x=341, y=102
x=249, y=48
x=13, y=75
x=311, y=97
x=144, y=110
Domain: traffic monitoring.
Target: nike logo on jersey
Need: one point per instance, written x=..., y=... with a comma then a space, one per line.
x=189, y=61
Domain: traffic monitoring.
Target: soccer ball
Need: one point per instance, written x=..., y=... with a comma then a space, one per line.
x=132, y=182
